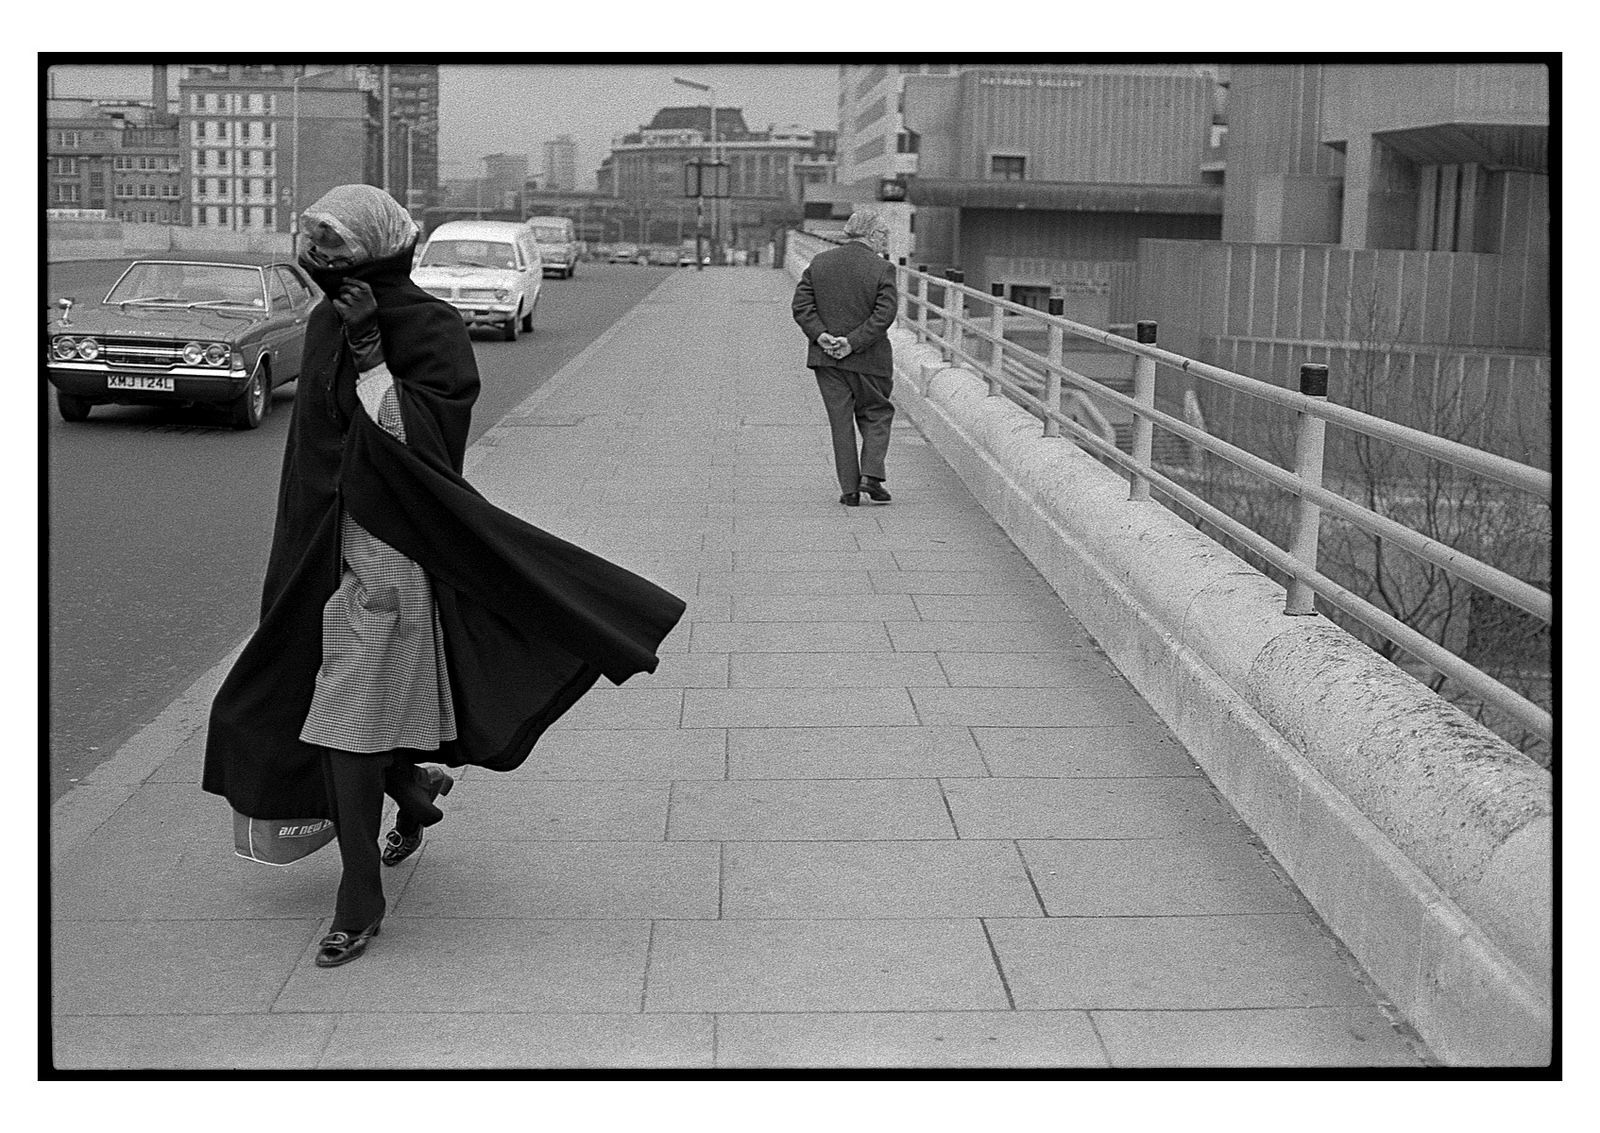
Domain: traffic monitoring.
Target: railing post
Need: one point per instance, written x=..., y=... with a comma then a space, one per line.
x=922, y=302
x=955, y=302
x=1052, y=378
x=1307, y=527
x=1144, y=392
x=997, y=348
x=900, y=288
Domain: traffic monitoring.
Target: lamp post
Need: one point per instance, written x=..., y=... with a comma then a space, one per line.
x=294, y=158
x=700, y=200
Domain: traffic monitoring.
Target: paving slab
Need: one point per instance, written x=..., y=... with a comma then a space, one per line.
x=790, y=637
x=1013, y=584
x=1210, y=962
x=795, y=707
x=852, y=753
x=1146, y=748
x=1359, y=1035
x=515, y=1041
x=986, y=637
x=474, y=878
x=865, y=607
x=190, y=1042
x=774, y=582
x=771, y=562
x=930, y=1040
x=1156, y=877
x=826, y=965
x=1062, y=668
x=835, y=670
x=480, y=966
x=1090, y=808
x=174, y=967
x=555, y=810
x=875, y=879
x=824, y=810
x=629, y=753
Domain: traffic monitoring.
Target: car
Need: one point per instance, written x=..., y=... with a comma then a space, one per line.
x=181, y=332
x=558, y=244
x=624, y=254
x=686, y=259
x=488, y=270
x=662, y=256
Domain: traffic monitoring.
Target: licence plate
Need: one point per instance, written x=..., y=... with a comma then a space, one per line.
x=140, y=382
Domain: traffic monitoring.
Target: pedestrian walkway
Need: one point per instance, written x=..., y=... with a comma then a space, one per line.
x=883, y=805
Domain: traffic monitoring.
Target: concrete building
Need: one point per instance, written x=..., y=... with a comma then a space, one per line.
x=505, y=180
x=1045, y=179
x=261, y=141
x=119, y=158
x=1402, y=215
x=561, y=165
x=409, y=96
x=874, y=141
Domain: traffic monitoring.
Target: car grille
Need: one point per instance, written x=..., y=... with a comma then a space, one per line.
x=440, y=292
x=477, y=293
x=141, y=352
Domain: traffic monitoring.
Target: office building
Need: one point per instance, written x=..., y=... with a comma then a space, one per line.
x=113, y=158
x=560, y=165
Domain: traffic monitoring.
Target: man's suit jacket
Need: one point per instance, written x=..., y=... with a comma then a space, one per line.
x=849, y=291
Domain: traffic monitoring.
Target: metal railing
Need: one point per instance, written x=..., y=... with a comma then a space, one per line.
x=1036, y=382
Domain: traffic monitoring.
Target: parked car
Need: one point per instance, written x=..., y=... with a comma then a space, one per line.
x=624, y=254
x=180, y=332
x=686, y=258
x=488, y=270
x=558, y=244
x=662, y=256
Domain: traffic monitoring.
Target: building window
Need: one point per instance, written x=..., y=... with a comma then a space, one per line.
x=67, y=165
x=67, y=194
x=222, y=214
x=67, y=139
x=194, y=102
x=907, y=141
x=1003, y=167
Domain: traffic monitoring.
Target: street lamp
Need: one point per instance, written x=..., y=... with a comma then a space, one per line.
x=700, y=200
x=294, y=160
x=421, y=125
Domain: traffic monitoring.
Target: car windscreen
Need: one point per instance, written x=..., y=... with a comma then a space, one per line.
x=550, y=235
x=469, y=253
x=161, y=284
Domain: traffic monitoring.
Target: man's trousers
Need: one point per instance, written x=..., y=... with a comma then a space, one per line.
x=857, y=401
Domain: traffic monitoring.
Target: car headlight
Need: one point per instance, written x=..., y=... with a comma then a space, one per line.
x=88, y=349
x=217, y=354
x=502, y=294
x=193, y=352
x=64, y=348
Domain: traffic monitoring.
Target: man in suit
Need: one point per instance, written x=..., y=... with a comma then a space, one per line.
x=846, y=303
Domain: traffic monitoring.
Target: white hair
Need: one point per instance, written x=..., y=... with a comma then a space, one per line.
x=865, y=222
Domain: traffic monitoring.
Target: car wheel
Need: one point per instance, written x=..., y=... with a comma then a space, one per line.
x=509, y=330
x=527, y=320
x=251, y=405
x=73, y=408
x=572, y=270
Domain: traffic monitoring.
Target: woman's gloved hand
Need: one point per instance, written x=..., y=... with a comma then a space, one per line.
x=358, y=310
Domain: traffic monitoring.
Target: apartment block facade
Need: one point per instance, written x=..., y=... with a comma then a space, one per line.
x=560, y=165
x=118, y=157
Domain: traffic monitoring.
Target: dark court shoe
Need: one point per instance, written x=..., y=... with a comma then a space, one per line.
x=416, y=793
x=876, y=490
x=341, y=947
x=851, y=499
x=397, y=847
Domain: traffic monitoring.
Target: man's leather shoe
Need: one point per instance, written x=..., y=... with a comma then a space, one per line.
x=851, y=499
x=876, y=490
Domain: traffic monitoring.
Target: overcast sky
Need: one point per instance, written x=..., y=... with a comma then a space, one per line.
x=516, y=108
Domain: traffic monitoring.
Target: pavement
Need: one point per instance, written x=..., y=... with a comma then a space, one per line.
x=884, y=804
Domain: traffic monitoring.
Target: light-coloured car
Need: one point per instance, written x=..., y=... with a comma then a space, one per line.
x=489, y=270
x=558, y=244
x=624, y=254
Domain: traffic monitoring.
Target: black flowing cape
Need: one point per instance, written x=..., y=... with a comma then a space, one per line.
x=530, y=621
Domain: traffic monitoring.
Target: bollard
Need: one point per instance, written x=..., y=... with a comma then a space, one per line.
x=955, y=303
x=997, y=347
x=1307, y=527
x=901, y=282
x=1052, y=378
x=1144, y=392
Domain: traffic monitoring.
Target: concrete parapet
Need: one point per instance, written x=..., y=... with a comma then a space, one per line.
x=1421, y=838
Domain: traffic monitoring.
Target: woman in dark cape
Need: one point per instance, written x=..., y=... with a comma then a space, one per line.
x=404, y=618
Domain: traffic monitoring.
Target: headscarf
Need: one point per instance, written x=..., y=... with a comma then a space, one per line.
x=372, y=223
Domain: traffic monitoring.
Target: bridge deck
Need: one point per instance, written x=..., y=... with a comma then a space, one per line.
x=883, y=805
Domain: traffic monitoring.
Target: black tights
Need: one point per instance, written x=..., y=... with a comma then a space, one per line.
x=356, y=785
